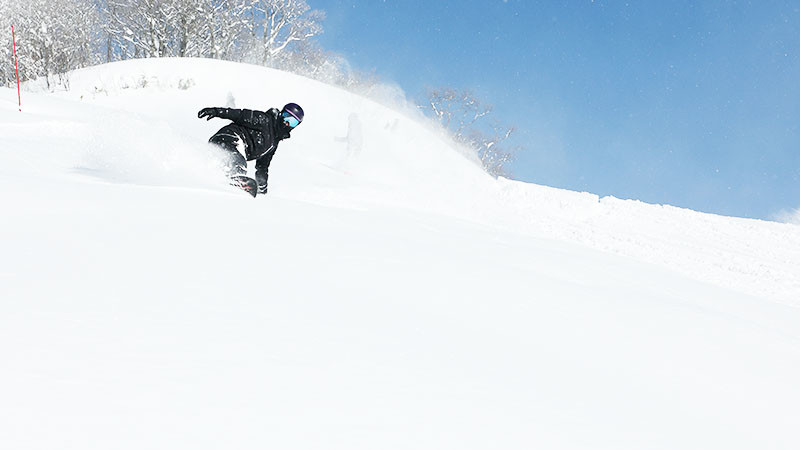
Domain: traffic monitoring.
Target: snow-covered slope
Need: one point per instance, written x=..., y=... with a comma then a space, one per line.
x=394, y=298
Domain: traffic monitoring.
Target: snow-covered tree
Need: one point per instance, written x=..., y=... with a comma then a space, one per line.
x=224, y=29
x=58, y=35
x=139, y=28
x=6, y=51
x=469, y=121
x=276, y=24
x=221, y=29
x=53, y=36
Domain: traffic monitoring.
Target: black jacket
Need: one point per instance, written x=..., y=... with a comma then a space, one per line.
x=261, y=132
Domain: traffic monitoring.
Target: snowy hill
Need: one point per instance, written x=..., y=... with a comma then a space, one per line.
x=393, y=298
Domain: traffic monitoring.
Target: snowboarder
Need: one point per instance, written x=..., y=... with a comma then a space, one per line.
x=252, y=135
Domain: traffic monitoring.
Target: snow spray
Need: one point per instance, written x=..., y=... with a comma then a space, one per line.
x=16, y=68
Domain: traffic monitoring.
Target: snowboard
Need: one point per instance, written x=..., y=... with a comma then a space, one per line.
x=246, y=184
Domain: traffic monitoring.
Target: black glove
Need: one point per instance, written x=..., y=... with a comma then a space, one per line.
x=208, y=113
x=262, y=183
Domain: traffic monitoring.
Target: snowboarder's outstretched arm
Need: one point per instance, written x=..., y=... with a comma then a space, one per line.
x=262, y=172
x=244, y=117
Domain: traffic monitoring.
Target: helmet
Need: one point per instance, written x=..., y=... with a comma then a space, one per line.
x=294, y=110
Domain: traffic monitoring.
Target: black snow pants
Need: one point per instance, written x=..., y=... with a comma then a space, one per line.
x=229, y=141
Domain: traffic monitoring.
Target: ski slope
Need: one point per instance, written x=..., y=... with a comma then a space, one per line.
x=390, y=296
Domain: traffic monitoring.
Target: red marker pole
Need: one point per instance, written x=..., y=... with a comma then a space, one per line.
x=16, y=68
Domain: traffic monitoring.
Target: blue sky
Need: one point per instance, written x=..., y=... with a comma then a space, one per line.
x=694, y=104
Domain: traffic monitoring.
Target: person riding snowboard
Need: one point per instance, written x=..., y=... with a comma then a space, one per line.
x=258, y=134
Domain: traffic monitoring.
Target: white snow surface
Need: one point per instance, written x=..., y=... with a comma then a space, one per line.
x=391, y=298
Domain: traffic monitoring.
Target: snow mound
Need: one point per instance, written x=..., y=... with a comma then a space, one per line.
x=135, y=122
x=387, y=293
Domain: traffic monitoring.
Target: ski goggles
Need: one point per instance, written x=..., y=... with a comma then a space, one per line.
x=290, y=120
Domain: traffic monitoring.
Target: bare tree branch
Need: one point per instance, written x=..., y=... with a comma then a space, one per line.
x=469, y=121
